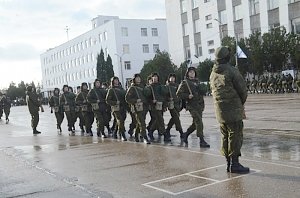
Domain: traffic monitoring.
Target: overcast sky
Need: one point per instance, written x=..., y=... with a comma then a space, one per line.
x=29, y=27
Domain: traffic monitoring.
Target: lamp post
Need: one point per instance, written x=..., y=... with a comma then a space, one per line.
x=121, y=65
x=221, y=28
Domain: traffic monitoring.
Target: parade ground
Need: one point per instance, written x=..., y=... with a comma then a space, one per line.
x=52, y=165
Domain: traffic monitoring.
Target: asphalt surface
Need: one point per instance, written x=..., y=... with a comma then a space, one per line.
x=52, y=165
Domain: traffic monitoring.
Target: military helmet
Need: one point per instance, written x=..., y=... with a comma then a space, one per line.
x=189, y=69
x=29, y=88
x=222, y=52
x=112, y=80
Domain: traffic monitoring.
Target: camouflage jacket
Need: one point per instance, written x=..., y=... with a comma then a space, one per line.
x=229, y=92
x=33, y=102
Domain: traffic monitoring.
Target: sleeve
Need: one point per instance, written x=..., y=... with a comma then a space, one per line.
x=239, y=85
x=110, y=98
x=129, y=96
x=91, y=96
x=182, y=91
x=51, y=101
x=79, y=99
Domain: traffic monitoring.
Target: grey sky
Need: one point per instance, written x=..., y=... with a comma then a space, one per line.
x=30, y=27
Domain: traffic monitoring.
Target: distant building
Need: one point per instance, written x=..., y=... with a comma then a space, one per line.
x=130, y=43
x=197, y=26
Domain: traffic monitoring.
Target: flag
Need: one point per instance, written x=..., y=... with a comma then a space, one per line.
x=240, y=53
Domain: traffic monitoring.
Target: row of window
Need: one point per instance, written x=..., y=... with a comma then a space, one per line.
x=198, y=50
x=144, y=32
x=145, y=47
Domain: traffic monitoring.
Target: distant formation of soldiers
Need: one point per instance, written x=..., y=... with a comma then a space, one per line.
x=274, y=84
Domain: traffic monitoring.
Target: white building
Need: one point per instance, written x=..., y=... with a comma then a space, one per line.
x=129, y=42
x=195, y=27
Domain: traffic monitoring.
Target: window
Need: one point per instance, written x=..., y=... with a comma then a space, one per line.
x=198, y=50
x=183, y=6
x=100, y=38
x=86, y=43
x=106, y=52
x=127, y=65
x=206, y=1
x=125, y=49
x=209, y=25
x=293, y=1
x=197, y=26
x=124, y=31
x=296, y=25
x=210, y=43
x=211, y=51
x=90, y=42
x=144, y=32
x=273, y=4
x=155, y=47
x=254, y=7
x=154, y=32
x=185, y=29
x=223, y=17
x=208, y=17
x=187, y=52
x=237, y=12
x=195, y=3
x=145, y=48
x=105, y=36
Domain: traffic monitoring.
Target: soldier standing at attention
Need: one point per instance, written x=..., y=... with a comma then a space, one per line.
x=96, y=97
x=192, y=92
x=67, y=101
x=86, y=108
x=230, y=93
x=34, y=106
x=58, y=110
x=174, y=105
x=116, y=99
x=136, y=97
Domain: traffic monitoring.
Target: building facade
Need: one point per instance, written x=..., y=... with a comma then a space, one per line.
x=198, y=26
x=130, y=42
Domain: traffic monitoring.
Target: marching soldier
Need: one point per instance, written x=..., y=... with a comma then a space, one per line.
x=192, y=92
x=174, y=105
x=6, y=102
x=107, y=117
x=136, y=97
x=1, y=106
x=86, y=108
x=58, y=110
x=230, y=94
x=34, y=107
x=116, y=99
x=254, y=85
x=78, y=113
x=157, y=99
x=96, y=97
x=67, y=101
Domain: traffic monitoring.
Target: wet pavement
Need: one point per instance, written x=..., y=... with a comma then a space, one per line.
x=52, y=165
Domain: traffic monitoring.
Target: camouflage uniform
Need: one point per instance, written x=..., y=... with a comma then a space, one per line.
x=136, y=97
x=6, y=103
x=33, y=105
x=96, y=97
x=58, y=110
x=230, y=93
x=194, y=105
x=116, y=99
x=67, y=101
x=86, y=109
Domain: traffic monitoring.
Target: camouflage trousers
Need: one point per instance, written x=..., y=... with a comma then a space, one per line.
x=158, y=122
x=197, y=122
x=7, y=112
x=141, y=122
x=88, y=118
x=59, y=118
x=175, y=119
x=120, y=117
x=80, y=116
x=71, y=118
x=100, y=119
x=232, y=139
x=35, y=118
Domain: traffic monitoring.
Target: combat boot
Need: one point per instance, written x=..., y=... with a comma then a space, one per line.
x=146, y=140
x=185, y=137
x=236, y=167
x=228, y=164
x=167, y=136
x=150, y=134
x=123, y=136
x=115, y=134
x=203, y=143
x=130, y=132
x=82, y=129
x=103, y=134
x=7, y=121
x=36, y=131
x=98, y=132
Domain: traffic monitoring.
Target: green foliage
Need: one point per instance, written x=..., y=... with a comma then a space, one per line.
x=256, y=55
x=180, y=72
x=204, y=70
x=105, y=69
x=19, y=91
x=161, y=64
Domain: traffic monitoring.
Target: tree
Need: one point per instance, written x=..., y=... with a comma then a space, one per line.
x=274, y=48
x=109, y=68
x=293, y=44
x=101, y=74
x=162, y=64
x=256, y=56
x=204, y=70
